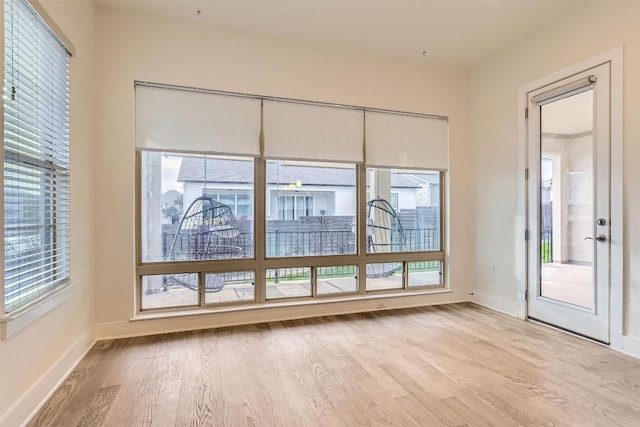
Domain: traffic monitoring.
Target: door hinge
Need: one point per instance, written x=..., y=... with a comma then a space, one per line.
x=526, y=235
x=526, y=174
x=526, y=113
x=526, y=295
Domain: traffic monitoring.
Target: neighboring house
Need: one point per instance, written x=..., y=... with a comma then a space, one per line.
x=429, y=192
x=294, y=190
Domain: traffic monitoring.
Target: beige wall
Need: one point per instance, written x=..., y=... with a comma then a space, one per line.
x=483, y=205
x=494, y=88
x=136, y=47
x=35, y=358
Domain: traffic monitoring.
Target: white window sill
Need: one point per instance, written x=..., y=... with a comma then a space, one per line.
x=14, y=322
x=198, y=311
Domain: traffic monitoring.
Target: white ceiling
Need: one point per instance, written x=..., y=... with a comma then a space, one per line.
x=452, y=32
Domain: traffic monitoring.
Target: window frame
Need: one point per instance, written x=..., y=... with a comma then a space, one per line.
x=260, y=262
x=55, y=170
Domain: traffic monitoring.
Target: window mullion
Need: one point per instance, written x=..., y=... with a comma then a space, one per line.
x=314, y=281
x=443, y=210
x=260, y=225
x=361, y=183
x=201, y=288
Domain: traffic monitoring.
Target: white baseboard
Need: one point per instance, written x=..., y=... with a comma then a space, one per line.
x=626, y=344
x=29, y=403
x=502, y=305
x=137, y=327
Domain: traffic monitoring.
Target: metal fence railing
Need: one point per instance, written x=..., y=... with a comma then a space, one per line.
x=546, y=245
x=206, y=245
x=202, y=244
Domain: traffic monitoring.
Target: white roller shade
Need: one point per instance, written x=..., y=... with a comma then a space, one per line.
x=405, y=141
x=182, y=120
x=312, y=132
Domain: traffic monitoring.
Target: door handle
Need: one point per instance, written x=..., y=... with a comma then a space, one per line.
x=599, y=238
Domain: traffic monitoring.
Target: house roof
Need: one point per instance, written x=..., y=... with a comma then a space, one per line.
x=192, y=169
x=427, y=178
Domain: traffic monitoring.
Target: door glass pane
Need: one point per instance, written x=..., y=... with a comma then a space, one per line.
x=567, y=224
x=228, y=199
x=309, y=211
x=244, y=205
x=300, y=207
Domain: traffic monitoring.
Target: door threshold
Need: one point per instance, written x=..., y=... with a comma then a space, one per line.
x=567, y=331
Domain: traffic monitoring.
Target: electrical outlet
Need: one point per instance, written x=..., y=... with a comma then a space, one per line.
x=492, y=268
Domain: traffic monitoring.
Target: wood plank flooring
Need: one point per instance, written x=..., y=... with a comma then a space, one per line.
x=452, y=365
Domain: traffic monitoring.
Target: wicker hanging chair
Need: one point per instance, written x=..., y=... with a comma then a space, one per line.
x=384, y=234
x=204, y=233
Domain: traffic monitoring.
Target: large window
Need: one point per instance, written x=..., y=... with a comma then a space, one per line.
x=36, y=157
x=292, y=211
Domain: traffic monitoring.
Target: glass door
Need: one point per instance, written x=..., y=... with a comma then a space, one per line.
x=569, y=205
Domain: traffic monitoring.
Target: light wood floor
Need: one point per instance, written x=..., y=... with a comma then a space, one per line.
x=449, y=365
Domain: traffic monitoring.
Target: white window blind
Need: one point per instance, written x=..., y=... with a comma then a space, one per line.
x=406, y=141
x=312, y=132
x=191, y=121
x=36, y=157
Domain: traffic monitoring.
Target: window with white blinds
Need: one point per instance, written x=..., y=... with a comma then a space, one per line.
x=36, y=157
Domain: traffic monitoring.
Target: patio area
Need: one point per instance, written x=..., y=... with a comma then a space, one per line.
x=571, y=283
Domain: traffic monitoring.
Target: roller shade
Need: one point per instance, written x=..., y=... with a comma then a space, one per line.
x=406, y=141
x=191, y=121
x=312, y=132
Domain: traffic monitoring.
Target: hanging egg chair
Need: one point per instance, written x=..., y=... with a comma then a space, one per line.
x=384, y=234
x=204, y=232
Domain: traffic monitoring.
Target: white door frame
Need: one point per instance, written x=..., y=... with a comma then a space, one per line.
x=614, y=57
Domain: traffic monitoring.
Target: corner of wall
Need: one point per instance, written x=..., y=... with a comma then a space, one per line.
x=30, y=402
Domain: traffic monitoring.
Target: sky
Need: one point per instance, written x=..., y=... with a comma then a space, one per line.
x=170, y=168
